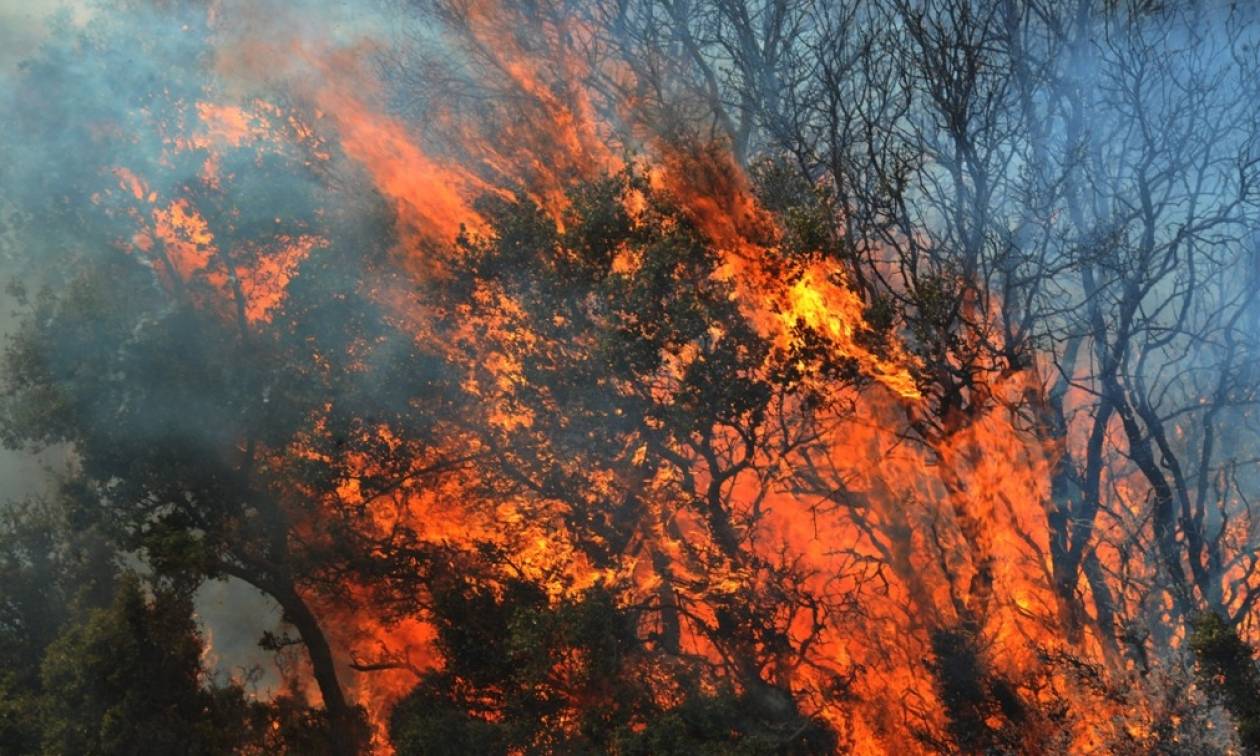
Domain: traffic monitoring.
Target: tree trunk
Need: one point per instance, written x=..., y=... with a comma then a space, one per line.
x=344, y=719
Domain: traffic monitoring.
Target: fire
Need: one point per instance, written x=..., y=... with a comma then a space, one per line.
x=838, y=312
x=906, y=537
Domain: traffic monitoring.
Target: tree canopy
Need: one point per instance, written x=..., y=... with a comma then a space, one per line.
x=635, y=377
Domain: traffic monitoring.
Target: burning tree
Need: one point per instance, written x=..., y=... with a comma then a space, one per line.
x=777, y=376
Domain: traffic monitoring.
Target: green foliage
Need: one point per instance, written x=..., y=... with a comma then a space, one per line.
x=20, y=730
x=718, y=724
x=807, y=212
x=127, y=678
x=420, y=725
x=48, y=569
x=97, y=661
x=519, y=673
x=523, y=673
x=1227, y=670
x=288, y=725
x=49, y=572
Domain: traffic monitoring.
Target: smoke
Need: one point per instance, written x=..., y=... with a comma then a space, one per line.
x=24, y=26
x=226, y=145
x=184, y=134
x=103, y=132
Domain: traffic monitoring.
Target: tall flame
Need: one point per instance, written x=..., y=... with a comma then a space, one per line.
x=927, y=528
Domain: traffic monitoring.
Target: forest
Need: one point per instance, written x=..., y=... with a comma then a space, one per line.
x=631, y=377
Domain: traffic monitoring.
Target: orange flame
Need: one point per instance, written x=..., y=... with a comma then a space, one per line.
x=923, y=528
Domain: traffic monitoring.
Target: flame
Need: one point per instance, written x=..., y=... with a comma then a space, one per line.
x=919, y=528
x=838, y=312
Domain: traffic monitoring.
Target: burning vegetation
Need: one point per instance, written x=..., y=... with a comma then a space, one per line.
x=637, y=377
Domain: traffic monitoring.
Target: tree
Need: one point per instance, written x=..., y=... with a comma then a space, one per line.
x=1227, y=669
x=224, y=370
x=527, y=674
x=636, y=406
x=638, y=412
x=98, y=659
x=51, y=574
x=128, y=678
